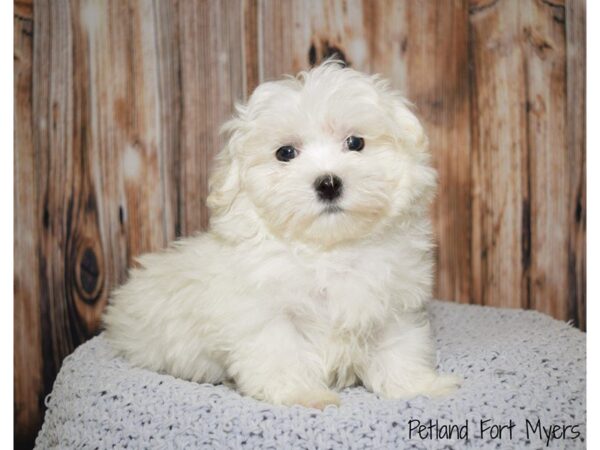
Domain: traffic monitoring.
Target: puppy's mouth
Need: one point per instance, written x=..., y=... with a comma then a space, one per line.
x=331, y=209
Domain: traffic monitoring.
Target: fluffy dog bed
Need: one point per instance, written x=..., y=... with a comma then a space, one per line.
x=519, y=367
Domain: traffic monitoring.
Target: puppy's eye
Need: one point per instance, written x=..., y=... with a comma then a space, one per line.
x=286, y=153
x=355, y=143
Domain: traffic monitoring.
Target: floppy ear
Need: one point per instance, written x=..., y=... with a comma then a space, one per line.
x=410, y=135
x=409, y=130
x=224, y=181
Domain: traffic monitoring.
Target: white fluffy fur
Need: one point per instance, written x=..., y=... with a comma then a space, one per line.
x=286, y=300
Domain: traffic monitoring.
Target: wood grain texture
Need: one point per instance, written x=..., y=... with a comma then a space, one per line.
x=212, y=78
x=117, y=113
x=576, y=156
x=28, y=387
x=294, y=37
x=501, y=243
x=60, y=173
x=436, y=42
x=543, y=31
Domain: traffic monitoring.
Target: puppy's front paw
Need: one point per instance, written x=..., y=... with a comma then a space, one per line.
x=430, y=385
x=316, y=399
x=442, y=385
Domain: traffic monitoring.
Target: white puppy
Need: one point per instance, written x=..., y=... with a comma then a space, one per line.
x=318, y=262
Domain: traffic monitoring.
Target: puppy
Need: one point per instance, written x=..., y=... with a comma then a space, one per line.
x=317, y=264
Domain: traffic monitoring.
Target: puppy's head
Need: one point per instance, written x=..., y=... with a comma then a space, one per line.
x=329, y=156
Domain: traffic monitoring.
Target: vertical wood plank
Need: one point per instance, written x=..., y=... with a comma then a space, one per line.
x=96, y=157
x=545, y=83
x=280, y=46
x=435, y=50
x=250, y=46
x=28, y=385
x=500, y=209
x=53, y=143
x=576, y=148
x=71, y=255
x=169, y=97
x=212, y=78
x=146, y=190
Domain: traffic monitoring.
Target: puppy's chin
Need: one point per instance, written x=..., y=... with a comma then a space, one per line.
x=333, y=225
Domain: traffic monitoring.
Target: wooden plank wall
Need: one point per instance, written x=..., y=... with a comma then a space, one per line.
x=118, y=103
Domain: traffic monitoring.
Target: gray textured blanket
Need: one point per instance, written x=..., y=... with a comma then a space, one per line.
x=524, y=386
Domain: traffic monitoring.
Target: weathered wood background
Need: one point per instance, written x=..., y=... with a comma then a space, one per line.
x=117, y=106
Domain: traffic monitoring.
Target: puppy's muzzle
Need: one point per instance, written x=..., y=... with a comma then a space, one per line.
x=328, y=187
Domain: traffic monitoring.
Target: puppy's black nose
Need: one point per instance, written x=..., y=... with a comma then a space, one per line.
x=328, y=187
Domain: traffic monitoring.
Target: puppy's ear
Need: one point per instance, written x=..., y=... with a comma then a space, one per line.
x=411, y=137
x=409, y=130
x=224, y=181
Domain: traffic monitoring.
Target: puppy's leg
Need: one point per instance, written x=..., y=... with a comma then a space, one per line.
x=277, y=366
x=402, y=364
